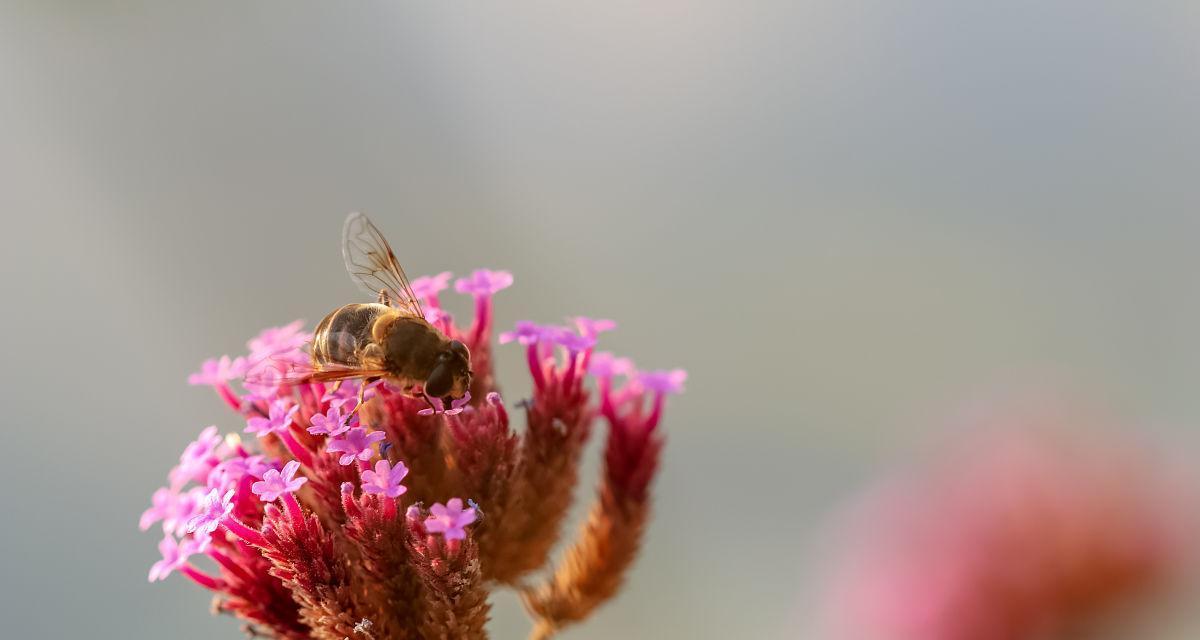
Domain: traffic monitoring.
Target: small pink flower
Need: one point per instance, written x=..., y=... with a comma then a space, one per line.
x=484, y=282
x=174, y=509
x=344, y=393
x=279, y=417
x=331, y=423
x=571, y=341
x=437, y=314
x=592, y=327
x=526, y=333
x=385, y=479
x=175, y=555
x=276, y=340
x=229, y=473
x=427, y=287
x=198, y=458
x=276, y=483
x=450, y=519
x=355, y=443
x=265, y=376
x=214, y=509
x=162, y=503
x=662, y=381
x=605, y=365
x=347, y=393
x=204, y=447
x=216, y=371
x=457, y=406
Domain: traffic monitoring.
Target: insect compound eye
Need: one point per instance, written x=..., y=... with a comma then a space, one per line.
x=440, y=381
x=460, y=349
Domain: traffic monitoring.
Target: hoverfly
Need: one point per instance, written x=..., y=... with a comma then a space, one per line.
x=389, y=339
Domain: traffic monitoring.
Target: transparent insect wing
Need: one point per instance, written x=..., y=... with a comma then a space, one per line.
x=372, y=264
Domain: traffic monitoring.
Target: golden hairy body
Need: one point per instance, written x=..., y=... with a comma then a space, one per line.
x=371, y=336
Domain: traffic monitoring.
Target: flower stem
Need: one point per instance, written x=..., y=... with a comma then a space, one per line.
x=535, y=366
x=483, y=318
x=297, y=449
x=201, y=578
x=229, y=396
x=237, y=528
x=293, y=508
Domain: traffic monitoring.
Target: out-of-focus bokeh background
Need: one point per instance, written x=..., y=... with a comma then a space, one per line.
x=847, y=220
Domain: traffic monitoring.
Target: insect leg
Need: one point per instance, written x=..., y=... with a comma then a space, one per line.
x=362, y=390
x=384, y=298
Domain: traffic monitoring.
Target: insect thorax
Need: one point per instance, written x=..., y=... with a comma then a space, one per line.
x=411, y=346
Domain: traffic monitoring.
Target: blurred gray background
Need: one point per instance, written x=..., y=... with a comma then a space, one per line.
x=845, y=219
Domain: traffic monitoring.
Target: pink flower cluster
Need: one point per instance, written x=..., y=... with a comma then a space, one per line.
x=267, y=514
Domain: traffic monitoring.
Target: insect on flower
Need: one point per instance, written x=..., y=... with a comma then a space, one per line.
x=388, y=339
x=317, y=527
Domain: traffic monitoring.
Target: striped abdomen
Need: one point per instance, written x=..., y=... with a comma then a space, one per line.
x=344, y=336
x=378, y=337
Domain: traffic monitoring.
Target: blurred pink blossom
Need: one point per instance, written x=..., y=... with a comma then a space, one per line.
x=1014, y=534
